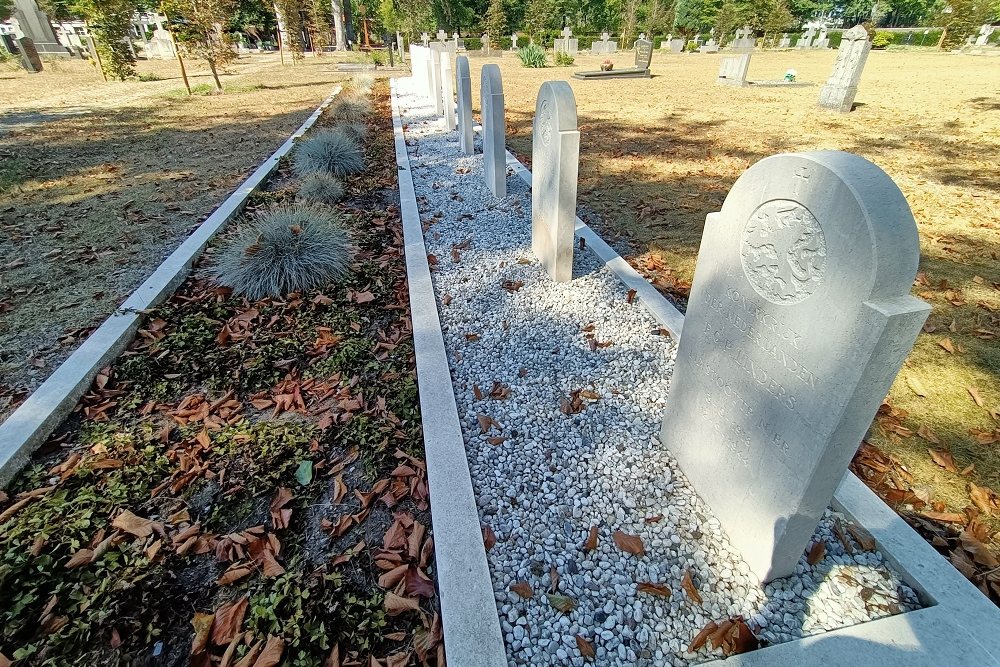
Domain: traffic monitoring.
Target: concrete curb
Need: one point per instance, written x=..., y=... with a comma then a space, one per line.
x=959, y=624
x=472, y=636
x=28, y=427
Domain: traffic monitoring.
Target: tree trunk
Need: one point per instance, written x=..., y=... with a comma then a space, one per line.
x=215, y=74
x=337, y=7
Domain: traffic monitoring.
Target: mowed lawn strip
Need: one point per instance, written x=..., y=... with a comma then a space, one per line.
x=247, y=479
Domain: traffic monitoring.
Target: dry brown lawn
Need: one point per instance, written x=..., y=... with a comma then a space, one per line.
x=657, y=155
x=100, y=181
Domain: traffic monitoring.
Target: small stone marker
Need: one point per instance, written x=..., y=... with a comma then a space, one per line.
x=823, y=42
x=425, y=38
x=463, y=84
x=805, y=41
x=842, y=86
x=513, y=41
x=605, y=46
x=29, y=56
x=447, y=91
x=744, y=40
x=555, y=160
x=799, y=318
x=435, y=78
x=568, y=44
x=677, y=46
x=494, y=130
x=442, y=36
x=985, y=32
x=785, y=42
x=733, y=70
x=711, y=46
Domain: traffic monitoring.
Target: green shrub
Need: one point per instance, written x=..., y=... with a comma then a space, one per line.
x=564, y=59
x=377, y=58
x=882, y=39
x=149, y=76
x=692, y=45
x=286, y=249
x=321, y=189
x=474, y=43
x=531, y=55
x=350, y=109
x=331, y=152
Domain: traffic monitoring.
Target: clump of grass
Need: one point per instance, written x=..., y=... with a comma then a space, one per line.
x=332, y=152
x=531, y=55
x=351, y=109
x=356, y=131
x=321, y=189
x=149, y=76
x=286, y=249
x=564, y=59
x=362, y=83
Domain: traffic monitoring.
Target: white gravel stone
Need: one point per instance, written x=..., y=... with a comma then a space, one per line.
x=544, y=478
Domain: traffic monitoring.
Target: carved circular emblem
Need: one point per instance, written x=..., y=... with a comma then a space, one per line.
x=783, y=251
x=545, y=119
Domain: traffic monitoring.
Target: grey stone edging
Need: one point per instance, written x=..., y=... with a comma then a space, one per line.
x=472, y=636
x=959, y=625
x=35, y=419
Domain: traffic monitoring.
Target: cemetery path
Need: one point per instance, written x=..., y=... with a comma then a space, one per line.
x=94, y=197
x=560, y=389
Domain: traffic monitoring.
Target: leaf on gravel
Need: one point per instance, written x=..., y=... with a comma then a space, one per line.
x=523, y=588
x=304, y=473
x=135, y=525
x=489, y=537
x=202, y=629
x=631, y=544
x=512, y=285
x=586, y=649
x=916, y=386
x=816, y=552
x=862, y=537
x=485, y=422
x=591, y=542
x=228, y=621
x=974, y=393
x=654, y=589
x=592, y=395
x=944, y=459
x=396, y=605
x=702, y=636
x=477, y=392
x=688, y=585
x=554, y=579
x=562, y=603
x=631, y=296
x=271, y=655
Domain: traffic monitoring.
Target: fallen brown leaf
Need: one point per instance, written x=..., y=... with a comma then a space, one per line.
x=688, y=585
x=523, y=589
x=654, y=589
x=816, y=552
x=586, y=649
x=629, y=543
x=591, y=542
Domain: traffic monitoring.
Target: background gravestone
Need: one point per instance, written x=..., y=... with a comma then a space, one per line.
x=35, y=25
x=435, y=78
x=555, y=160
x=463, y=84
x=447, y=86
x=733, y=70
x=799, y=318
x=29, y=56
x=494, y=130
x=842, y=86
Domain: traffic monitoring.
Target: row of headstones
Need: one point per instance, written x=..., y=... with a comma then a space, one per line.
x=799, y=318
x=840, y=89
x=457, y=43
x=744, y=41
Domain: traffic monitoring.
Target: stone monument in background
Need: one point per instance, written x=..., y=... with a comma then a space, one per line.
x=799, y=318
x=35, y=25
x=842, y=86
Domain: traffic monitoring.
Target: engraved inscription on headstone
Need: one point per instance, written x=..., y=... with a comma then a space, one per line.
x=555, y=158
x=842, y=86
x=494, y=130
x=799, y=318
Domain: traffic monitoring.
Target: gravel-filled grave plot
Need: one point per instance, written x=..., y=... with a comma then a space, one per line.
x=602, y=549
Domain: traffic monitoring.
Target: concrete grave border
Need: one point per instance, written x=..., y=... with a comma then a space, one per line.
x=35, y=419
x=472, y=636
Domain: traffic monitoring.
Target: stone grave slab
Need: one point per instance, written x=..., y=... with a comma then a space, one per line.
x=435, y=78
x=555, y=161
x=29, y=56
x=448, y=91
x=463, y=85
x=643, y=56
x=842, y=86
x=733, y=70
x=799, y=318
x=711, y=46
x=494, y=130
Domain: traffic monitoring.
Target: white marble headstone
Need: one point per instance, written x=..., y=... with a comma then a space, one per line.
x=447, y=91
x=494, y=130
x=435, y=78
x=799, y=318
x=842, y=86
x=555, y=162
x=463, y=84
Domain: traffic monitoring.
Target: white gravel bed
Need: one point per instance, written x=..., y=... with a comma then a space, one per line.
x=543, y=478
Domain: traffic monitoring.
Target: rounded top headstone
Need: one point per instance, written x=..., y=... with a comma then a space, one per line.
x=462, y=67
x=491, y=81
x=822, y=225
x=555, y=108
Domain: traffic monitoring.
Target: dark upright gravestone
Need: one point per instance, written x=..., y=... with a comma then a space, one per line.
x=29, y=56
